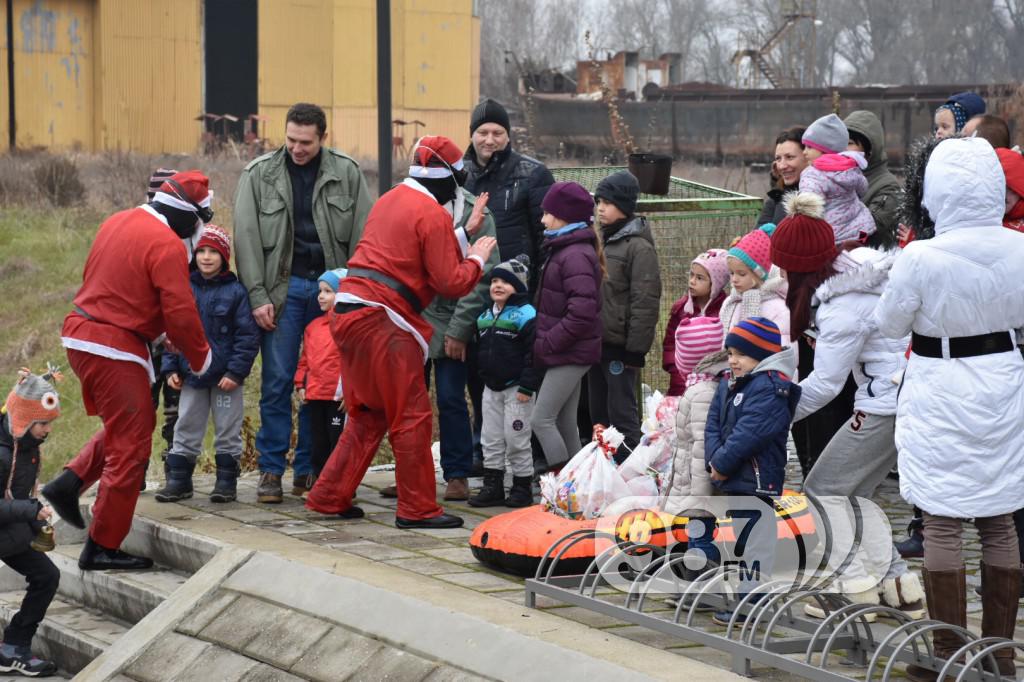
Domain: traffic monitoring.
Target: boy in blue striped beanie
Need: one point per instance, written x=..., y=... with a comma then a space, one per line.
x=745, y=436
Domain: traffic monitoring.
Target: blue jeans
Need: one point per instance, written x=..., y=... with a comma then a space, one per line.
x=453, y=417
x=280, y=352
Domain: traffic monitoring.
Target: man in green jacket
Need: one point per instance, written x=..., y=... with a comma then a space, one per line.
x=299, y=212
x=884, y=193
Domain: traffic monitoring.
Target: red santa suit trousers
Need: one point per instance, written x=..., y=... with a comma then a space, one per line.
x=382, y=374
x=116, y=456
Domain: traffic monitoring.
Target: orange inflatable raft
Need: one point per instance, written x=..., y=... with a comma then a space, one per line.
x=516, y=541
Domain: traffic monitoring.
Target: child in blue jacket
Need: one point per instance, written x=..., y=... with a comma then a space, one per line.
x=234, y=338
x=745, y=436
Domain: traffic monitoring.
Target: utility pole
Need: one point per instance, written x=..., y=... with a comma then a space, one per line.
x=12, y=135
x=383, y=94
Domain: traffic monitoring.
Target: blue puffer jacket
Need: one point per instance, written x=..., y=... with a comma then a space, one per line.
x=745, y=436
x=234, y=338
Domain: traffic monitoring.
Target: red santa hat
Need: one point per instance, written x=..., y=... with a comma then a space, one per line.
x=186, y=190
x=214, y=237
x=435, y=156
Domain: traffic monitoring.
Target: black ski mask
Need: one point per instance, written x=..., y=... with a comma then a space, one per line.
x=184, y=223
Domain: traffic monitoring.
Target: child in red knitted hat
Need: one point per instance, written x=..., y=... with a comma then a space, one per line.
x=223, y=304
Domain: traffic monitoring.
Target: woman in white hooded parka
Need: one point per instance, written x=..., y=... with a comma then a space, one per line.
x=961, y=404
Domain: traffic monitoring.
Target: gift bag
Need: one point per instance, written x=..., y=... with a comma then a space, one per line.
x=589, y=482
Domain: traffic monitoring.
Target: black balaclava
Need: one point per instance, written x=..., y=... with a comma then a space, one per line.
x=184, y=223
x=442, y=189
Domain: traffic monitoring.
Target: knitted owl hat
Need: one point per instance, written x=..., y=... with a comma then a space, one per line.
x=33, y=399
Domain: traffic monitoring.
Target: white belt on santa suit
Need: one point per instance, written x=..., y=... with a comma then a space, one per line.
x=398, y=320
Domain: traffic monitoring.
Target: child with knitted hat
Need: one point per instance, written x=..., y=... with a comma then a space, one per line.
x=745, y=439
x=700, y=358
x=318, y=376
x=505, y=335
x=756, y=291
x=709, y=273
x=223, y=305
x=569, y=328
x=25, y=422
x=1013, y=168
x=955, y=112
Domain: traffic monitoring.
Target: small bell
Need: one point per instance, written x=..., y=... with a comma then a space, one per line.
x=44, y=540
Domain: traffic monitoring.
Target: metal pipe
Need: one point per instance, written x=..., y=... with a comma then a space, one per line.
x=383, y=94
x=12, y=138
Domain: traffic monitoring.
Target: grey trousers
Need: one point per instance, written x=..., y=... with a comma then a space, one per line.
x=854, y=463
x=194, y=414
x=554, y=415
x=506, y=431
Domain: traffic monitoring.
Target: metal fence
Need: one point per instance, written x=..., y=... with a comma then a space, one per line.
x=690, y=219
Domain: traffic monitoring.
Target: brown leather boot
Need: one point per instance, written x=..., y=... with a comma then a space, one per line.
x=946, y=593
x=1000, y=592
x=457, y=489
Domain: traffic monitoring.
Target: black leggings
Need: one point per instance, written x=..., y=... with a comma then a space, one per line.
x=42, y=577
x=325, y=425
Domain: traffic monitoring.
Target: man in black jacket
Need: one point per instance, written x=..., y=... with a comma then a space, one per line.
x=25, y=422
x=516, y=184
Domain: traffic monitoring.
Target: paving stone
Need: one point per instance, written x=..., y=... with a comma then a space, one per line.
x=448, y=674
x=396, y=665
x=291, y=526
x=168, y=656
x=242, y=622
x=326, y=537
x=216, y=663
x=415, y=541
x=460, y=555
x=646, y=636
x=384, y=518
x=459, y=533
x=424, y=565
x=372, y=550
x=264, y=673
x=518, y=597
x=478, y=580
x=253, y=515
x=283, y=641
x=337, y=656
x=210, y=609
x=585, y=616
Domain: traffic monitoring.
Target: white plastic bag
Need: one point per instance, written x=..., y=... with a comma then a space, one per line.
x=589, y=482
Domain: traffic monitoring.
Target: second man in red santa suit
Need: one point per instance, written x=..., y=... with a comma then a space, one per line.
x=410, y=252
x=135, y=289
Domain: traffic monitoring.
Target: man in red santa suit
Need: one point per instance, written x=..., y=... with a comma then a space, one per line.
x=410, y=252
x=135, y=290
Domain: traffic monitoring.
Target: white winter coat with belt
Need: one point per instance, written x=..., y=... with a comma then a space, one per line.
x=960, y=421
x=849, y=340
x=690, y=478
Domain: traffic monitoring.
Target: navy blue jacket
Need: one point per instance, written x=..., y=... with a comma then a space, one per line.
x=234, y=338
x=505, y=346
x=745, y=436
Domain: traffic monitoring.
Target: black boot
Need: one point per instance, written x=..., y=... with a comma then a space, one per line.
x=225, y=489
x=179, y=479
x=95, y=557
x=62, y=494
x=913, y=546
x=521, y=492
x=492, y=494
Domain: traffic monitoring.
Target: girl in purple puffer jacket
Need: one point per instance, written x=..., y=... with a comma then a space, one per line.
x=568, y=332
x=839, y=180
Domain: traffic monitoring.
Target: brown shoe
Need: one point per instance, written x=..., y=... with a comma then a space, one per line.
x=302, y=484
x=946, y=595
x=390, y=491
x=1000, y=593
x=269, y=489
x=458, y=489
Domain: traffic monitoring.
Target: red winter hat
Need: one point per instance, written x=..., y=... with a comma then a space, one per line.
x=194, y=185
x=1013, y=167
x=434, y=157
x=217, y=239
x=803, y=241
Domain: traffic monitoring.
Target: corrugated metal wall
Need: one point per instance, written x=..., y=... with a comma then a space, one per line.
x=3, y=75
x=127, y=74
x=53, y=43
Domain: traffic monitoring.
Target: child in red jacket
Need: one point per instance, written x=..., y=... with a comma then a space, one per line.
x=318, y=377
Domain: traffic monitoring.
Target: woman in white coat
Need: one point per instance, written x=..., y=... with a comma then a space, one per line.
x=833, y=292
x=958, y=420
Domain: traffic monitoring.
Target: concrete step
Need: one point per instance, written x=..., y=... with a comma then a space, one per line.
x=127, y=595
x=72, y=635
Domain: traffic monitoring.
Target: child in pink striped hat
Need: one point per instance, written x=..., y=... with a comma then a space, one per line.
x=696, y=338
x=709, y=274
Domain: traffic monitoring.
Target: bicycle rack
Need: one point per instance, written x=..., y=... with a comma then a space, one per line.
x=773, y=631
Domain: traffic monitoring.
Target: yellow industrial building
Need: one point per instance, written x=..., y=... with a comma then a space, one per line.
x=136, y=75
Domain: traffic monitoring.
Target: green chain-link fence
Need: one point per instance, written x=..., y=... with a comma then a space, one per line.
x=690, y=219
